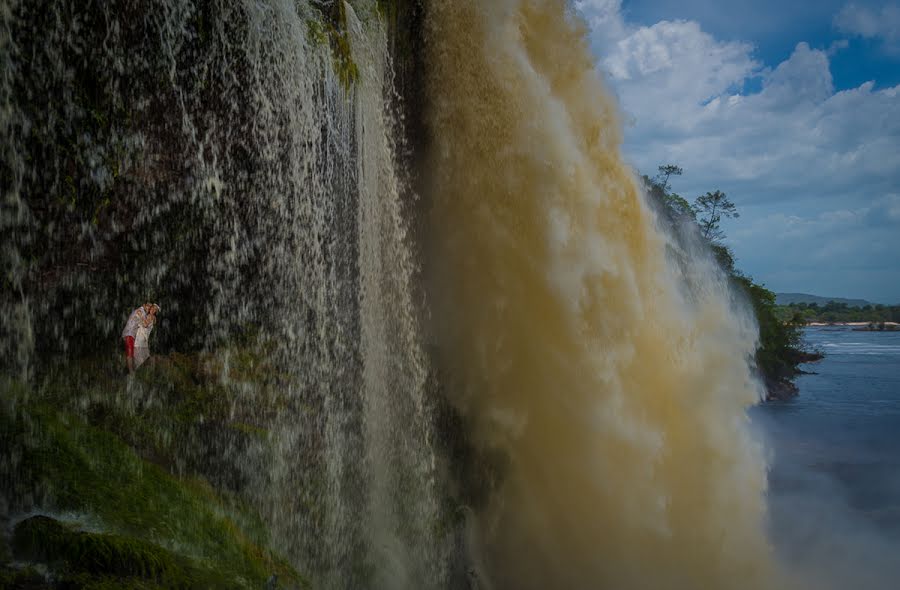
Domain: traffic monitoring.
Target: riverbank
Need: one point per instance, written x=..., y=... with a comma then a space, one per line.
x=851, y=324
x=860, y=326
x=782, y=387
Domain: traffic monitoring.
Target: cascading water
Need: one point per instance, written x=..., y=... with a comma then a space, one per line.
x=235, y=159
x=395, y=371
x=242, y=161
x=615, y=387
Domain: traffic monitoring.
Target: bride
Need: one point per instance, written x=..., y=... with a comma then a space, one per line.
x=142, y=337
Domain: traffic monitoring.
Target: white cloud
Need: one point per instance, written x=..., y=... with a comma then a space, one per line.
x=803, y=79
x=873, y=24
x=604, y=16
x=681, y=60
x=838, y=45
x=794, y=147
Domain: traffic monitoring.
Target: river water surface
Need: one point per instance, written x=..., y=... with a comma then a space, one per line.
x=834, y=482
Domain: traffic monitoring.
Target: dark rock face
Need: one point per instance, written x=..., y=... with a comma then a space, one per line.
x=205, y=155
x=781, y=387
x=136, y=166
x=803, y=356
x=780, y=390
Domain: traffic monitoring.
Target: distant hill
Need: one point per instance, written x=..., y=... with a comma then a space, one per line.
x=792, y=298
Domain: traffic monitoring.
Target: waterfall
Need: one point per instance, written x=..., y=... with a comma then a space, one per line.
x=612, y=383
x=235, y=159
x=486, y=364
x=401, y=455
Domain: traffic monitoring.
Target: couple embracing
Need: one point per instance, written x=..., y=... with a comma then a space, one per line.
x=137, y=334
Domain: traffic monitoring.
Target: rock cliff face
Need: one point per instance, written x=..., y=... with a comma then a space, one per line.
x=139, y=483
x=250, y=166
x=159, y=149
x=323, y=408
x=781, y=386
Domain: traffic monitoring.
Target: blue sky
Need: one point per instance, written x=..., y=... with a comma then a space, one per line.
x=792, y=108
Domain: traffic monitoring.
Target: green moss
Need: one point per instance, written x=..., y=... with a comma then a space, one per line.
x=108, y=558
x=346, y=68
x=67, y=465
x=334, y=30
x=23, y=579
x=316, y=32
x=173, y=402
x=148, y=458
x=388, y=10
x=43, y=539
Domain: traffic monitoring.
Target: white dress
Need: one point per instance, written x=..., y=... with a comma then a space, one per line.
x=142, y=345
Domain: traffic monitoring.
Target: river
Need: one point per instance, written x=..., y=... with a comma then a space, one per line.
x=834, y=480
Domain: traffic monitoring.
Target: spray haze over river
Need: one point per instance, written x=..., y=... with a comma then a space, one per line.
x=457, y=346
x=835, y=478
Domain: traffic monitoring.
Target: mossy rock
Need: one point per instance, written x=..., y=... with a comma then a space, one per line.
x=64, y=465
x=23, y=579
x=107, y=557
x=43, y=539
x=187, y=413
x=334, y=30
x=151, y=458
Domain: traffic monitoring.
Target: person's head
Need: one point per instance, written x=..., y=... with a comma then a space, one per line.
x=147, y=306
x=154, y=309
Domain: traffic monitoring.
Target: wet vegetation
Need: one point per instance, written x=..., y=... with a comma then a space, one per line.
x=834, y=311
x=780, y=349
x=143, y=479
x=332, y=29
x=132, y=182
x=128, y=172
x=109, y=152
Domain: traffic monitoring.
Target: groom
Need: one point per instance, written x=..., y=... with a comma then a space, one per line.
x=142, y=316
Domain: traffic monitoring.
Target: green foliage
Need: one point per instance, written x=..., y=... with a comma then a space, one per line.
x=222, y=399
x=334, y=31
x=66, y=465
x=680, y=206
x=724, y=256
x=839, y=312
x=316, y=32
x=665, y=172
x=45, y=540
x=779, y=333
x=388, y=9
x=27, y=578
x=778, y=339
x=672, y=205
x=711, y=208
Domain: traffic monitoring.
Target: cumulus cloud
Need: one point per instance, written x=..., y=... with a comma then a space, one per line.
x=781, y=141
x=866, y=22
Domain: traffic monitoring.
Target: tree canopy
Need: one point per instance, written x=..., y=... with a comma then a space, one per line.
x=711, y=208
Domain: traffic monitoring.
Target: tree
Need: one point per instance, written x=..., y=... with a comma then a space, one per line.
x=676, y=206
x=725, y=257
x=679, y=206
x=778, y=353
x=713, y=207
x=663, y=174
